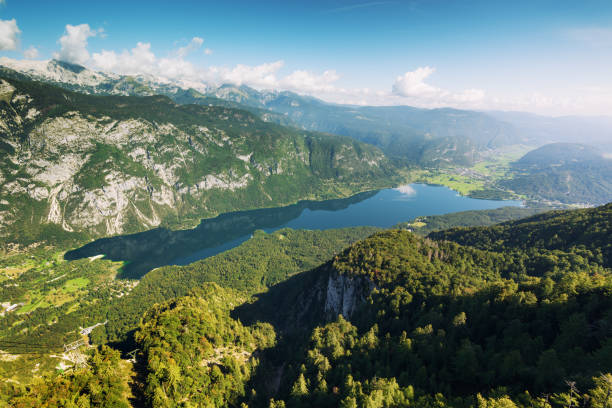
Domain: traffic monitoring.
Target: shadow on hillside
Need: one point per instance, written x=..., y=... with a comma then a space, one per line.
x=293, y=305
x=497, y=328
x=294, y=308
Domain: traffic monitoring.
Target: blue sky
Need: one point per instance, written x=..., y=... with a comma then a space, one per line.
x=551, y=57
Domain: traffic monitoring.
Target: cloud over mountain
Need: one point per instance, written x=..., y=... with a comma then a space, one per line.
x=9, y=35
x=412, y=85
x=74, y=43
x=185, y=64
x=31, y=53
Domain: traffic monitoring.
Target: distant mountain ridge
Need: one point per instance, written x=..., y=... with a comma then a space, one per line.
x=563, y=172
x=81, y=79
x=564, y=129
x=437, y=137
x=429, y=138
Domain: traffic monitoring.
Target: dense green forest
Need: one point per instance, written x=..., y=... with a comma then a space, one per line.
x=261, y=262
x=86, y=291
x=426, y=224
x=582, y=232
x=445, y=325
x=104, y=382
x=196, y=353
x=512, y=315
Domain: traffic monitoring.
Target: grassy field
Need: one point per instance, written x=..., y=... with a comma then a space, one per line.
x=46, y=287
x=462, y=184
x=45, y=279
x=75, y=284
x=497, y=164
x=478, y=180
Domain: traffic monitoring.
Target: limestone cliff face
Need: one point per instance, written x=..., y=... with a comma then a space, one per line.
x=312, y=298
x=109, y=165
x=77, y=77
x=345, y=294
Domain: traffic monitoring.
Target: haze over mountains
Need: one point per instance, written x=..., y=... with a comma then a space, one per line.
x=398, y=130
x=414, y=137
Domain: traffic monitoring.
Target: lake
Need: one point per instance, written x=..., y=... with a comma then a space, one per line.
x=384, y=208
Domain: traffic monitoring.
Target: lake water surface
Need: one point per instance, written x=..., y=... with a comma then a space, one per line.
x=385, y=208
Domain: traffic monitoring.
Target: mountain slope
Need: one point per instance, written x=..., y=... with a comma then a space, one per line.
x=586, y=231
x=432, y=137
x=563, y=172
x=80, y=79
x=112, y=164
x=427, y=322
x=395, y=320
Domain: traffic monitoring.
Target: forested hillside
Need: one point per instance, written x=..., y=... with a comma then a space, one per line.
x=584, y=232
x=563, y=172
x=424, y=225
x=52, y=297
x=451, y=325
x=513, y=315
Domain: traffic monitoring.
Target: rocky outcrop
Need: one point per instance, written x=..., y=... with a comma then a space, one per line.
x=111, y=165
x=77, y=77
x=345, y=294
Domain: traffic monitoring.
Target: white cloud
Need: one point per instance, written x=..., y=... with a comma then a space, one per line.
x=9, y=35
x=413, y=86
x=138, y=60
x=74, y=43
x=31, y=53
x=194, y=44
x=306, y=81
x=142, y=60
x=258, y=76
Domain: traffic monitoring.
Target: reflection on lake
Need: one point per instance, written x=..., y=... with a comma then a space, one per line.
x=385, y=208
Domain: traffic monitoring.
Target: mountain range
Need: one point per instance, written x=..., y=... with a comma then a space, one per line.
x=114, y=154
x=472, y=309
x=426, y=137
x=106, y=165
x=563, y=173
